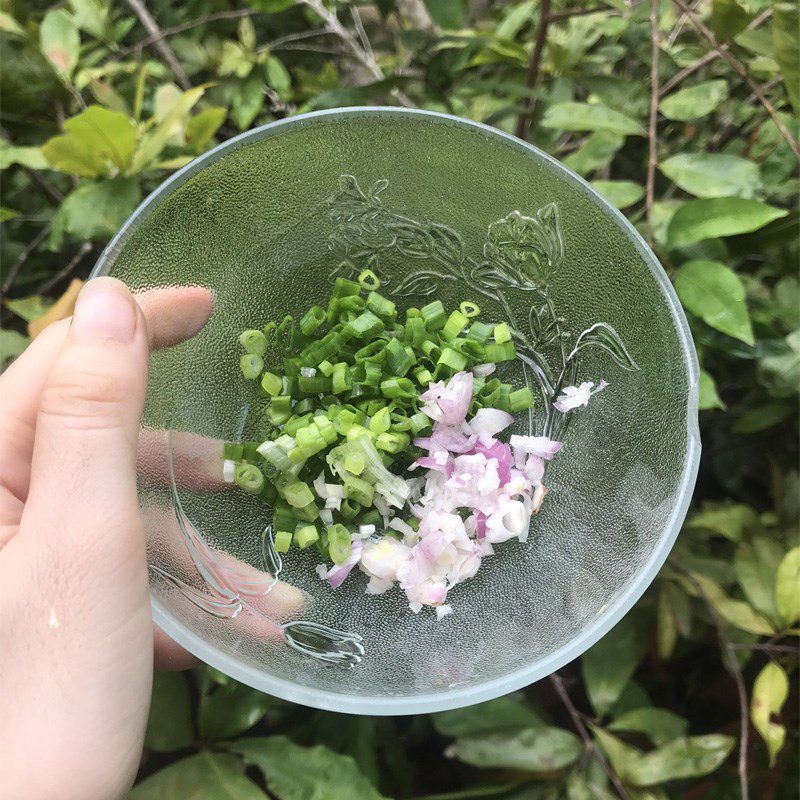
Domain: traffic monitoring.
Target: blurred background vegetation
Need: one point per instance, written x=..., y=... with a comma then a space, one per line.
x=683, y=114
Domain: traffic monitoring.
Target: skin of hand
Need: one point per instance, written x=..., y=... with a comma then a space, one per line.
x=76, y=658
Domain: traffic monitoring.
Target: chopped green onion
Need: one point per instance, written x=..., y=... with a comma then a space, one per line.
x=496, y=353
x=297, y=494
x=398, y=387
x=354, y=463
x=231, y=451
x=434, y=315
x=369, y=281
x=316, y=384
x=280, y=409
x=251, y=366
x=392, y=442
x=502, y=333
x=365, y=325
x=326, y=368
x=456, y=323
x=520, y=400
x=381, y=421
x=249, y=477
x=342, y=287
x=359, y=490
x=272, y=384
x=341, y=380
x=254, y=342
x=381, y=306
x=470, y=309
x=452, y=359
x=479, y=332
x=306, y=535
x=338, y=543
x=282, y=541
x=311, y=320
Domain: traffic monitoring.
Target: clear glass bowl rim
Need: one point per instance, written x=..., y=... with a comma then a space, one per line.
x=455, y=697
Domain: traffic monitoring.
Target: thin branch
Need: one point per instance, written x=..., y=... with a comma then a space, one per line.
x=83, y=251
x=679, y=77
x=568, y=13
x=729, y=657
x=23, y=257
x=362, y=34
x=651, y=126
x=152, y=28
x=742, y=71
x=52, y=194
x=766, y=647
x=676, y=31
x=588, y=743
x=532, y=76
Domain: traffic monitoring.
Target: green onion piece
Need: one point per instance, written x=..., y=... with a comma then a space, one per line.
x=254, y=342
x=372, y=352
x=479, y=332
x=413, y=312
x=310, y=441
x=280, y=409
x=371, y=517
x=423, y=376
x=372, y=374
x=419, y=422
x=251, y=366
x=470, y=309
x=380, y=422
x=431, y=349
x=500, y=352
x=452, y=359
x=298, y=494
x=311, y=320
x=520, y=400
x=295, y=423
x=351, y=303
x=502, y=333
x=283, y=518
x=365, y=326
x=332, y=314
x=350, y=509
x=343, y=421
x=398, y=387
x=291, y=367
x=392, y=442
x=282, y=541
x=359, y=490
x=325, y=428
x=342, y=287
x=381, y=306
x=456, y=323
x=303, y=406
x=414, y=331
x=316, y=384
x=231, y=451
x=326, y=368
x=338, y=543
x=354, y=463
x=434, y=315
x=272, y=384
x=275, y=455
x=398, y=359
x=249, y=478
x=341, y=380
x=250, y=451
x=307, y=513
x=305, y=536
x=369, y=281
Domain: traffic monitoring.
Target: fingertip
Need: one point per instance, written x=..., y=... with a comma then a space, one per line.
x=175, y=313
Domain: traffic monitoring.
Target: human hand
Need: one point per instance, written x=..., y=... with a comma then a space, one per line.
x=77, y=638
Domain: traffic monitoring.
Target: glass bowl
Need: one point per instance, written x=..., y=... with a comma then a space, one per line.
x=437, y=207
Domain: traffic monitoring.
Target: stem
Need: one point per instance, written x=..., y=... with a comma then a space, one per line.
x=651, y=128
x=532, y=77
x=23, y=257
x=588, y=743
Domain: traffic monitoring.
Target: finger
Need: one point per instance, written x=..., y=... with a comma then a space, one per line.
x=168, y=654
x=173, y=314
x=197, y=460
x=75, y=592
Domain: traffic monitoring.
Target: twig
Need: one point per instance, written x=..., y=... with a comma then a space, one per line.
x=588, y=743
x=679, y=77
x=152, y=28
x=676, y=31
x=532, y=76
x=362, y=34
x=53, y=195
x=741, y=70
x=766, y=647
x=568, y=13
x=729, y=656
x=23, y=257
x=365, y=58
x=83, y=250
x=651, y=126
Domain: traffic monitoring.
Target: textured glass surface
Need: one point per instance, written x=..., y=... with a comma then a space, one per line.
x=429, y=201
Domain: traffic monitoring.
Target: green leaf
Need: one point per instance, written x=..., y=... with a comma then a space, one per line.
x=710, y=175
x=155, y=140
x=29, y=308
x=12, y=345
x=595, y=153
x=91, y=16
x=541, y=749
x=278, y=76
x=762, y=418
x=660, y=725
x=305, y=773
x=723, y=216
x=9, y=25
x=755, y=564
x=787, y=579
x=622, y=756
x=31, y=157
x=609, y=665
x=780, y=373
x=95, y=210
x=201, y=127
x=230, y=710
x=207, y=776
x=689, y=757
x=785, y=35
x=247, y=101
x=169, y=726
x=7, y=214
x=620, y=193
x=586, y=117
x=770, y=690
x=446, y=13
x=730, y=520
x=502, y=714
x=714, y=293
x=59, y=41
x=727, y=19
x=709, y=397
x=695, y=101
x=96, y=142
